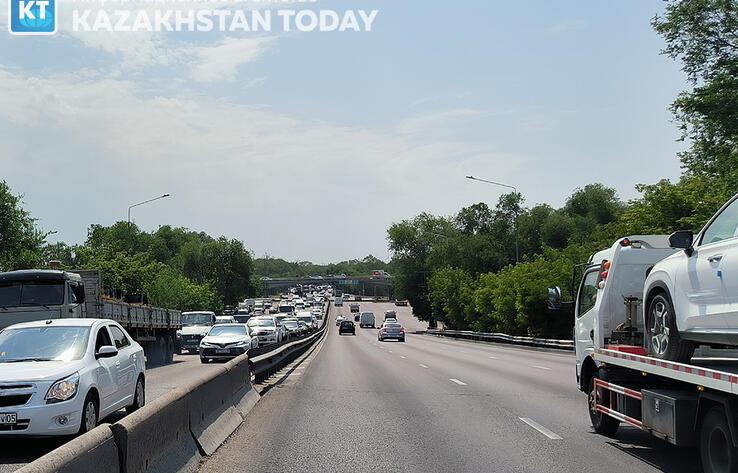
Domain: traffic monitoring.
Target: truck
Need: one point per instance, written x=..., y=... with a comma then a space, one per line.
x=687, y=404
x=28, y=295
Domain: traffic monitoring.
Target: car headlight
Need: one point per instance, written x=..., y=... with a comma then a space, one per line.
x=205, y=344
x=178, y=334
x=244, y=343
x=63, y=390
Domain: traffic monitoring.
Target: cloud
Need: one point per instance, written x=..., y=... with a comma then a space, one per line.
x=221, y=62
x=568, y=26
x=228, y=166
x=421, y=123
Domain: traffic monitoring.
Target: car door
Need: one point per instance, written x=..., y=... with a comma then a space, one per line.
x=126, y=364
x=586, y=315
x=107, y=372
x=706, y=277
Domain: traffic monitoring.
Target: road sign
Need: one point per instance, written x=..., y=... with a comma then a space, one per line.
x=340, y=281
x=355, y=281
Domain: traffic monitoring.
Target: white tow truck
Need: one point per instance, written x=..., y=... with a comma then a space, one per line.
x=692, y=404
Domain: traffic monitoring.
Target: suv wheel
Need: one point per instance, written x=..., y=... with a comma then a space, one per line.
x=662, y=336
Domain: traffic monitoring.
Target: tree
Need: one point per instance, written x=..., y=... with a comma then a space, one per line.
x=20, y=239
x=702, y=34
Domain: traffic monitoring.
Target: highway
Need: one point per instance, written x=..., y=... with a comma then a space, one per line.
x=433, y=405
x=16, y=452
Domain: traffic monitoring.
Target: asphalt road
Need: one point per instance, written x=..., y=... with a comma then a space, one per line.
x=433, y=405
x=16, y=452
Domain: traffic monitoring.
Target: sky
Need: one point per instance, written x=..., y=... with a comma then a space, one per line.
x=309, y=145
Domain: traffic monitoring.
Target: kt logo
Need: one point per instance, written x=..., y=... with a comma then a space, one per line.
x=32, y=16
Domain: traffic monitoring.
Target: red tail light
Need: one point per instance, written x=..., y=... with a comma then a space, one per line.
x=402, y=330
x=384, y=330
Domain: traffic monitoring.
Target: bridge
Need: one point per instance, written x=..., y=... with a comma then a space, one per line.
x=354, y=285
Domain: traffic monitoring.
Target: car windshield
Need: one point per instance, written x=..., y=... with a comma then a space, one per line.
x=259, y=322
x=306, y=319
x=368, y=314
x=285, y=309
x=47, y=343
x=227, y=330
x=189, y=320
x=31, y=293
x=290, y=323
x=393, y=326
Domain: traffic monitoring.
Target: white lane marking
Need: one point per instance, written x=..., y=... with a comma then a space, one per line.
x=403, y=357
x=461, y=383
x=389, y=351
x=422, y=365
x=296, y=373
x=541, y=367
x=540, y=428
x=493, y=358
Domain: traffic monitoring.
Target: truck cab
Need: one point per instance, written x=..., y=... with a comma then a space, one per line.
x=29, y=295
x=608, y=308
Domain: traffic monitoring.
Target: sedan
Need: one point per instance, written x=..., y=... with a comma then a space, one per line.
x=391, y=330
x=225, y=342
x=347, y=326
x=339, y=319
x=293, y=327
x=60, y=377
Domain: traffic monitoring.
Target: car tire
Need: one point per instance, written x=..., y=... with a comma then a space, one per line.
x=203, y=360
x=139, y=396
x=602, y=423
x=662, y=336
x=90, y=414
x=716, y=447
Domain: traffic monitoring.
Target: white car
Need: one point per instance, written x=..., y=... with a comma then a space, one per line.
x=691, y=296
x=60, y=377
x=339, y=319
x=265, y=330
x=226, y=341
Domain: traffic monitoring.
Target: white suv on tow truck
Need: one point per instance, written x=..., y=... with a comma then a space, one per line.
x=692, y=296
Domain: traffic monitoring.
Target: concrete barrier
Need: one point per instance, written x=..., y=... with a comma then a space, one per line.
x=505, y=338
x=213, y=416
x=157, y=437
x=95, y=451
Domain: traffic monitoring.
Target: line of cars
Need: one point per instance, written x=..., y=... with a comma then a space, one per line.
x=390, y=329
x=61, y=376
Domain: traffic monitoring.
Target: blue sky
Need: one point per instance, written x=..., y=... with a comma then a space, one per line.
x=309, y=145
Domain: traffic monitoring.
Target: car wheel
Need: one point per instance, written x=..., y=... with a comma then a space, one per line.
x=90, y=412
x=603, y=424
x=203, y=360
x=139, y=396
x=662, y=336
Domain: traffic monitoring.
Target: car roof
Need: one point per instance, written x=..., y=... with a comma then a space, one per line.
x=70, y=322
x=39, y=275
x=199, y=312
x=229, y=325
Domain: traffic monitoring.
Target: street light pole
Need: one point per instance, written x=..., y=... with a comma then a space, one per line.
x=141, y=203
x=517, y=248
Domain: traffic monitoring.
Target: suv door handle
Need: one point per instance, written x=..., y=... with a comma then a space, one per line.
x=715, y=258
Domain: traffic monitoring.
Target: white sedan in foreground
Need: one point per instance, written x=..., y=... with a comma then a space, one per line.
x=62, y=376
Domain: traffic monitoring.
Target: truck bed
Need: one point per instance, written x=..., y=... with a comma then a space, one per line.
x=716, y=374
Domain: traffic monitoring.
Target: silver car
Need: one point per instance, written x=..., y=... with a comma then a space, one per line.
x=391, y=330
x=226, y=341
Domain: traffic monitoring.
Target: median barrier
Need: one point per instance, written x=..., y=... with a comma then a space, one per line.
x=213, y=416
x=505, y=338
x=94, y=451
x=244, y=395
x=157, y=437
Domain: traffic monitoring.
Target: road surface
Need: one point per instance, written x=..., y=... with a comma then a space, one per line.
x=433, y=405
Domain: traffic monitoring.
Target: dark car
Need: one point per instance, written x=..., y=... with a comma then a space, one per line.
x=357, y=317
x=347, y=326
x=400, y=303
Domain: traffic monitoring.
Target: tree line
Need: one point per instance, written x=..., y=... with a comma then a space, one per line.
x=461, y=269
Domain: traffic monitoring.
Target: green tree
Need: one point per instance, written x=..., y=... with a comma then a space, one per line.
x=20, y=240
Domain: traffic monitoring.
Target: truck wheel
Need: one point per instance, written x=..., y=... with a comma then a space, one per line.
x=603, y=424
x=662, y=336
x=170, y=351
x=716, y=448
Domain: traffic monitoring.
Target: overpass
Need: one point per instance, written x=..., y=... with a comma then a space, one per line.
x=354, y=285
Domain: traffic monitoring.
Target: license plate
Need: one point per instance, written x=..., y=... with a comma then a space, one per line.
x=8, y=419
x=222, y=351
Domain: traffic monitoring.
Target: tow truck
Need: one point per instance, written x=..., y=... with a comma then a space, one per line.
x=691, y=404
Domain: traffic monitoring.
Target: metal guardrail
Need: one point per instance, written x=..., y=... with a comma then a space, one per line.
x=267, y=364
x=505, y=338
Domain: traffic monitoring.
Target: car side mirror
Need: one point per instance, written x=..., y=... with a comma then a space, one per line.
x=682, y=239
x=107, y=351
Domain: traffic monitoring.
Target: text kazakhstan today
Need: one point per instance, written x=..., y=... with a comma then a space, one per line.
x=225, y=20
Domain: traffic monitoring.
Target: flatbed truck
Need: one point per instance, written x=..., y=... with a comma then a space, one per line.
x=692, y=404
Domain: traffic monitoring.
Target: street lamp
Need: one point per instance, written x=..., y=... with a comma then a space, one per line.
x=141, y=203
x=517, y=249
